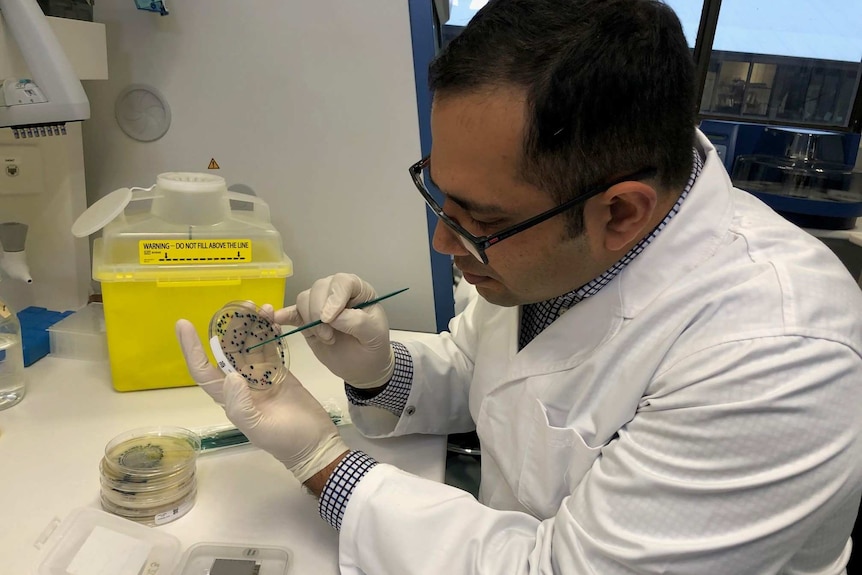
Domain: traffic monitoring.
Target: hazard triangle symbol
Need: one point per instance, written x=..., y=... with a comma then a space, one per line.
x=213, y=165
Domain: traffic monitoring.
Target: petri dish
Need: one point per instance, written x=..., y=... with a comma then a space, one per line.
x=239, y=325
x=140, y=489
x=148, y=474
x=152, y=452
x=151, y=499
x=156, y=515
x=113, y=479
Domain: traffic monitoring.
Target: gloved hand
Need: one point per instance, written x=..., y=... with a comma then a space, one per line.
x=352, y=343
x=285, y=420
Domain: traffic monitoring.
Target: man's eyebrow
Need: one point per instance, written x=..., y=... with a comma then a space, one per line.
x=470, y=205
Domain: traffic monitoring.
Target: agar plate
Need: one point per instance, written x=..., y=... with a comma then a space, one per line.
x=148, y=474
x=236, y=327
x=149, y=452
x=155, y=515
x=132, y=499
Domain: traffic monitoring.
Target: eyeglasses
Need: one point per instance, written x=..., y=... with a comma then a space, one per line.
x=477, y=245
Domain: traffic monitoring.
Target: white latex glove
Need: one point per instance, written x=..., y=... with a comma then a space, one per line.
x=284, y=420
x=352, y=343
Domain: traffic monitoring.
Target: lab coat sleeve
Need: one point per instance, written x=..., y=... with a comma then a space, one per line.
x=730, y=465
x=438, y=401
x=423, y=527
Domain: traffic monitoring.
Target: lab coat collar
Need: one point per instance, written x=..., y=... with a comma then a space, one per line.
x=570, y=339
x=690, y=237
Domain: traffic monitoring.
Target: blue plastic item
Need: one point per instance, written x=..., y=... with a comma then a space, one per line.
x=152, y=6
x=35, y=322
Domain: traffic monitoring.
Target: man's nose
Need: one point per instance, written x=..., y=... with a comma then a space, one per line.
x=447, y=241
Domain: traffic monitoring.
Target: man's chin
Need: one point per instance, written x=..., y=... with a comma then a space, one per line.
x=493, y=292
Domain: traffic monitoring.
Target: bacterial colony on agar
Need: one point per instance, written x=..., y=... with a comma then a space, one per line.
x=233, y=330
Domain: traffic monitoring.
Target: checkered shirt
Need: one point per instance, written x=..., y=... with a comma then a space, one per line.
x=340, y=485
x=394, y=396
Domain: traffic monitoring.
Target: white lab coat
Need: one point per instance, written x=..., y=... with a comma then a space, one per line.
x=700, y=414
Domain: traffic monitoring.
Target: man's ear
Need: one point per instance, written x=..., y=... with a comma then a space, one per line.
x=620, y=217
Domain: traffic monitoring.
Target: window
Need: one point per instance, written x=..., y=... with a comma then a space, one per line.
x=794, y=62
x=460, y=13
x=790, y=62
x=688, y=12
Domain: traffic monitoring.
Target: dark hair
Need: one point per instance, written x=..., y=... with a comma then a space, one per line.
x=609, y=86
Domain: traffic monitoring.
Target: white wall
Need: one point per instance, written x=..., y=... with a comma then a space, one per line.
x=311, y=104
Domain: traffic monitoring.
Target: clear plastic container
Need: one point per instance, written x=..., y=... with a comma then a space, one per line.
x=90, y=532
x=13, y=382
x=802, y=175
x=192, y=208
x=80, y=335
x=89, y=539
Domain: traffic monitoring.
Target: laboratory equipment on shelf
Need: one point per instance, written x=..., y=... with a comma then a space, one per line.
x=803, y=174
x=42, y=104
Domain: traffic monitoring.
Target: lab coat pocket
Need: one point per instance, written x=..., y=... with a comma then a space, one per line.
x=556, y=460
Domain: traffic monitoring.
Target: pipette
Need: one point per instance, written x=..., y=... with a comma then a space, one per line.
x=318, y=322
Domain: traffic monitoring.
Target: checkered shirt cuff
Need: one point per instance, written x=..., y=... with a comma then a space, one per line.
x=394, y=396
x=340, y=485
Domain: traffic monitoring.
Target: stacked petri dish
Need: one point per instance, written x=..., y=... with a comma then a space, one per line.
x=148, y=474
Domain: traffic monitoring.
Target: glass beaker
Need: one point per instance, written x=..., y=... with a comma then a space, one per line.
x=12, y=378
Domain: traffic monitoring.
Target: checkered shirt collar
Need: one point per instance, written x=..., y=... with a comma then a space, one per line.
x=538, y=316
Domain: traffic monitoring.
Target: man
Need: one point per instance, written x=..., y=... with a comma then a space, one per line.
x=664, y=375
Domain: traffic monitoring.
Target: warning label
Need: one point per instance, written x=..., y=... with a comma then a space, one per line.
x=210, y=251
x=213, y=165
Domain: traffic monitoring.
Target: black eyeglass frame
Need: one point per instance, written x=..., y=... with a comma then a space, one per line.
x=482, y=243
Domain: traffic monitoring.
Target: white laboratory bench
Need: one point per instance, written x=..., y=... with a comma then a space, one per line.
x=52, y=441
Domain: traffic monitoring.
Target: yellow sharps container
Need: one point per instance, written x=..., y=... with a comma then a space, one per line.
x=180, y=249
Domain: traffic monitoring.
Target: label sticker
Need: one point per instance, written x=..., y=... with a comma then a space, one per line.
x=4, y=311
x=174, y=513
x=185, y=252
